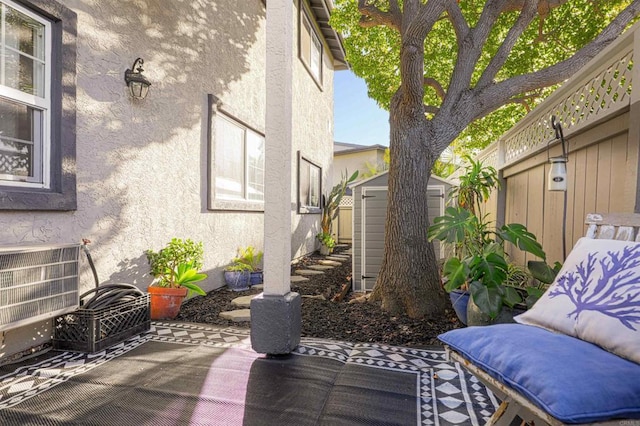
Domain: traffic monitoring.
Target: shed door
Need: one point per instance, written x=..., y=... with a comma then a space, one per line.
x=374, y=210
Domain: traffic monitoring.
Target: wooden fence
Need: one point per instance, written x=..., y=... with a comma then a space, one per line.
x=600, y=114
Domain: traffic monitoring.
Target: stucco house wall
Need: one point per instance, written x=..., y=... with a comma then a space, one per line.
x=142, y=166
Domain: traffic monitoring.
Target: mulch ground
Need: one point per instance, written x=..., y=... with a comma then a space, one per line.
x=323, y=318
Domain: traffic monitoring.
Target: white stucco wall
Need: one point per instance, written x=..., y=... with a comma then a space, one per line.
x=313, y=124
x=142, y=165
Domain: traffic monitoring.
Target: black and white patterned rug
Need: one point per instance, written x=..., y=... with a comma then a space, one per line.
x=445, y=394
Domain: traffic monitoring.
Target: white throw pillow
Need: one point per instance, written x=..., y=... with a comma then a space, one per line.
x=595, y=297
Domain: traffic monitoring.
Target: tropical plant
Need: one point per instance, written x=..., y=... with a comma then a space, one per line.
x=475, y=185
x=484, y=265
x=466, y=70
x=331, y=202
x=177, y=264
x=250, y=257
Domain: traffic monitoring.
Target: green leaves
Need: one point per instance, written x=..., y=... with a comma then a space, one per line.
x=186, y=275
x=543, y=272
x=518, y=235
x=453, y=226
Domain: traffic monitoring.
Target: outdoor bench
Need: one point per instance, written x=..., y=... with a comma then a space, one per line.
x=574, y=358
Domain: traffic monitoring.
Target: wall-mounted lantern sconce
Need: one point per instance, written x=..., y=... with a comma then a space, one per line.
x=558, y=172
x=136, y=81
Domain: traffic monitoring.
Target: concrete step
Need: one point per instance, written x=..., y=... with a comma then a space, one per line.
x=335, y=259
x=320, y=267
x=243, y=301
x=239, y=315
x=338, y=257
x=329, y=262
x=308, y=272
x=298, y=279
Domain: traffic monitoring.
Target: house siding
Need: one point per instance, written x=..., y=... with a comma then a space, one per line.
x=142, y=166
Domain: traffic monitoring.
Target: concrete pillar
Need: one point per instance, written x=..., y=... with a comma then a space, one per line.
x=275, y=314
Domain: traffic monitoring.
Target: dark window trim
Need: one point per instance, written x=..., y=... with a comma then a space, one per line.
x=61, y=196
x=213, y=203
x=308, y=209
x=312, y=26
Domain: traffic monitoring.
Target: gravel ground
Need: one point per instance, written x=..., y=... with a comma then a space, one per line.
x=351, y=322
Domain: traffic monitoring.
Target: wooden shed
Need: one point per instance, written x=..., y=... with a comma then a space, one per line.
x=369, y=214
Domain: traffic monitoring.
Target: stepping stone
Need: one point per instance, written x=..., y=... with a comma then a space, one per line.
x=341, y=245
x=258, y=287
x=298, y=279
x=341, y=257
x=320, y=267
x=239, y=315
x=349, y=252
x=308, y=272
x=317, y=296
x=335, y=259
x=330, y=263
x=243, y=301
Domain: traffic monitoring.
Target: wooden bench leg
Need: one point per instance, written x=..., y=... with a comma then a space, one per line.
x=506, y=413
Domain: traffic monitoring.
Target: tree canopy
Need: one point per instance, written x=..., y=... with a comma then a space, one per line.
x=557, y=33
x=451, y=69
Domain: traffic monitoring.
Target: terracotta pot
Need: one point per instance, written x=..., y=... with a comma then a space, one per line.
x=166, y=301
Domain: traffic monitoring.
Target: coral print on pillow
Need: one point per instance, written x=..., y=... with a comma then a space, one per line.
x=595, y=297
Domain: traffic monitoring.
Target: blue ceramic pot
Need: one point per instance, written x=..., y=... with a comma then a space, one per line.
x=237, y=280
x=256, y=278
x=460, y=300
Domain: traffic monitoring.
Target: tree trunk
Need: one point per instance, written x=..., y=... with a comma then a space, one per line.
x=409, y=279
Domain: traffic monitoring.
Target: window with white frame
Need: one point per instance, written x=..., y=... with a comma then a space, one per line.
x=309, y=189
x=310, y=47
x=37, y=113
x=25, y=79
x=238, y=165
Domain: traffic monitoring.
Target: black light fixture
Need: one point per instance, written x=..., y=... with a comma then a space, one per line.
x=558, y=171
x=136, y=81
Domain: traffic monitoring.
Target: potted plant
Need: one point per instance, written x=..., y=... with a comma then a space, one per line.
x=253, y=259
x=327, y=243
x=330, y=204
x=238, y=276
x=482, y=266
x=175, y=268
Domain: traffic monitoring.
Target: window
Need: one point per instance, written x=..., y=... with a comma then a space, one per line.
x=238, y=165
x=310, y=47
x=309, y=190
x=36, y=132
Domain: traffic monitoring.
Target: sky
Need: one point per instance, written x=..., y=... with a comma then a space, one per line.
x=357, y=119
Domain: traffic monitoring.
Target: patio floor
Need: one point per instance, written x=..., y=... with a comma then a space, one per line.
x=194, y=374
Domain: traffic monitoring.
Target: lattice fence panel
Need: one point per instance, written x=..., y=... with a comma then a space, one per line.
x=609, y=89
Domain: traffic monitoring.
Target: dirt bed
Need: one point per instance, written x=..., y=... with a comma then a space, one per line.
x=323, y=318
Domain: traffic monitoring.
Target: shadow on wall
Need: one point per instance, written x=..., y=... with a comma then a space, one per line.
x=190, y=49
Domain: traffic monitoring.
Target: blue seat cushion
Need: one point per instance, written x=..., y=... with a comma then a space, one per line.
x=573, y=380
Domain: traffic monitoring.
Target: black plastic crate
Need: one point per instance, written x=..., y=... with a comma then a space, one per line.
x=92, y=330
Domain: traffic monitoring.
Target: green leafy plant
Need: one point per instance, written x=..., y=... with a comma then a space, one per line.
x=250, y=257
x=475, y=186
x=331, y=202
x=326, y=239
x=186, y=275
x=238, y=267
x=177, y=264
x=483, y=266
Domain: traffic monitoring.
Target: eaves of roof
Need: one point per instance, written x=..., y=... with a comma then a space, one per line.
x=322, y=11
